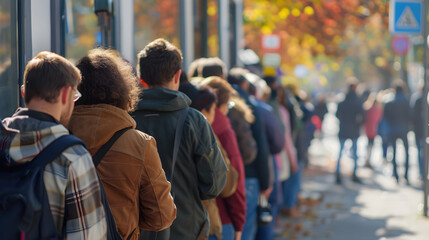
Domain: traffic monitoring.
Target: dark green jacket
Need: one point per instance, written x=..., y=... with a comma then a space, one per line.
x=200, y=171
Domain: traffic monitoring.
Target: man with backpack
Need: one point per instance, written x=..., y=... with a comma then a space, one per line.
x=44, y=167
x=164, y=113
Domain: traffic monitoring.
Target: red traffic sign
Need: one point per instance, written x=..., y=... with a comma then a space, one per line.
x=271, y=43
x=400, y=44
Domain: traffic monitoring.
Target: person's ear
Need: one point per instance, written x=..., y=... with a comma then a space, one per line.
x=177, y=76
x=23, y=91
x=64, y=94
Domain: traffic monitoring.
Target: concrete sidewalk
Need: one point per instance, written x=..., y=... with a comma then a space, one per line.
x=377, y=209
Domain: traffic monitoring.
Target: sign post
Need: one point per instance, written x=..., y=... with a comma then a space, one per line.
x=271, y=48
x=409, y=17
x=425, y=114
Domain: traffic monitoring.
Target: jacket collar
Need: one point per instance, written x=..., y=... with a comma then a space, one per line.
x=96, y=124
x=163, y=100
x=36, y=115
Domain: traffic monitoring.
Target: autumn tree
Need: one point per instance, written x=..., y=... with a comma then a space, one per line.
x=315, y=30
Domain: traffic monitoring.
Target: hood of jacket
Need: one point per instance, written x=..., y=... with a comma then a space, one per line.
x=97, y=123
x=22, y=137
x=163, y=100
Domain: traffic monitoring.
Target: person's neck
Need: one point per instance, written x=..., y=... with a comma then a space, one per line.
x=39, y=105
x=170, y=85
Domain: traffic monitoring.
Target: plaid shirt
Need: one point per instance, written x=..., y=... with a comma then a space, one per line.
x=70, y=180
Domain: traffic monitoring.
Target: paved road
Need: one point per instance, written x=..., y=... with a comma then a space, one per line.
x=378, y=209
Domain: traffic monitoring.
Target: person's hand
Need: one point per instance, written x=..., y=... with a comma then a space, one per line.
x=238, y=235
x=267, y=192
x=294, y=166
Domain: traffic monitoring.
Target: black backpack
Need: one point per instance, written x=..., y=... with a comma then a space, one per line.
x=25, y=212
x=112, y=231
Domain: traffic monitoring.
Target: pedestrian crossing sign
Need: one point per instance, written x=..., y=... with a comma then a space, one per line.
x=406, y=16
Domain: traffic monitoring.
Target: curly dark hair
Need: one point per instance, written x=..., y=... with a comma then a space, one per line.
x=108, y=79
x=158, y=62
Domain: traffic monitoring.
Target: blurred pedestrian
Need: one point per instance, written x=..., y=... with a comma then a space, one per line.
x=320, y=110
x=398, y=115
x=373, y=113
x=418, y=123
x=351, y=115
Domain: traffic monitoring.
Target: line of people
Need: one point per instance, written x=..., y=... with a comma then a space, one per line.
x=197, y=163
x=264, y=128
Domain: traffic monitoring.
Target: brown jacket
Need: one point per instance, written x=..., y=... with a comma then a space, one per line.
x=136, y=187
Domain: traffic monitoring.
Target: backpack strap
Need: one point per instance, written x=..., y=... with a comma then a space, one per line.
x=177, y=138
x=54, y=149
x=105, y=148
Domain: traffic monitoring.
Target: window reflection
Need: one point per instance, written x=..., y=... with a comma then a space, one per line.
x=156, y=19
x=8, y=81
x=213, y=28
x=82, y=32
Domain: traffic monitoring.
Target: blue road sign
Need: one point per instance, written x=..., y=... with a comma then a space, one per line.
x=405, y=17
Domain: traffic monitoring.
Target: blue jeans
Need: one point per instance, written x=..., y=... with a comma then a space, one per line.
x=404, y=139
x=291, y=188
x=354, y=150
x=420, y=143
x=275, y=200
x=228, y=233
x=252, y=195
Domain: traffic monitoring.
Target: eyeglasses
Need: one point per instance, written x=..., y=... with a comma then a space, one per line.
x=77, y=95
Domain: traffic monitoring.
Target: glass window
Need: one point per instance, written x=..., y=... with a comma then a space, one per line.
x=8, y=72
x=82, y=31
x=213, y=28
x=199, y=29
x=156, y=19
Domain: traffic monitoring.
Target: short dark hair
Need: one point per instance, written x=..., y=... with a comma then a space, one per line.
x=212, y=67
x=399, y=85
x=108, y=79
x=204, y=99
x=237, y=76
x=183, y=78
x=193, y=70
x=352, y=83
x=46, y=74
x=158, y=62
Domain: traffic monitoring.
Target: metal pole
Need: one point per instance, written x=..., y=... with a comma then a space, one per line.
x=425, y=110
x=187, y=33
x=224, y=49
x=204, y=29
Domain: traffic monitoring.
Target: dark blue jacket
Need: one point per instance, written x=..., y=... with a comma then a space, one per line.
x=258, y=168
x=274, y=129
x=398, y=114
x=351, y=115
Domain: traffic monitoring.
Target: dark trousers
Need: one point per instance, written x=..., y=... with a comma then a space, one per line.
x=393, y=140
